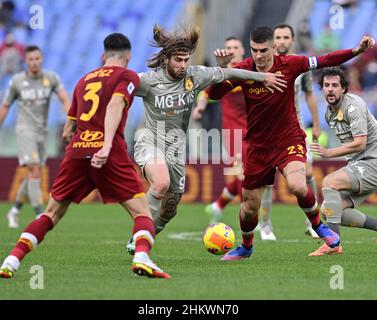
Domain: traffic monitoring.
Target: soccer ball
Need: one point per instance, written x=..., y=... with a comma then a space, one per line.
x=218, y=238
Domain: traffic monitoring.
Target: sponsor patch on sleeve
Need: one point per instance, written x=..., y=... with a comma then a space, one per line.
x=313, y=63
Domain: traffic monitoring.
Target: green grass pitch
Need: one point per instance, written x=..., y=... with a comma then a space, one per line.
x=84, y=258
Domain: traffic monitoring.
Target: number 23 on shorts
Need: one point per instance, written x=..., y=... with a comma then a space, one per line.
x=298, y=150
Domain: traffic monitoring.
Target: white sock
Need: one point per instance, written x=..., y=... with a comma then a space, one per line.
x=11, y=261
x=14, y=211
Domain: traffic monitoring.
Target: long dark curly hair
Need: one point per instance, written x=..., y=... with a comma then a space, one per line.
x=172, y=43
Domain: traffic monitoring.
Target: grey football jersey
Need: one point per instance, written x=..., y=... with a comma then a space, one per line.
x=33, y=96
x=304, y=82
x=354, y=119
x=168, y=105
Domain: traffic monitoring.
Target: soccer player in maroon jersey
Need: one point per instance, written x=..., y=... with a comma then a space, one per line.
x=96, y=157
x=233, y=112
x=274, y=137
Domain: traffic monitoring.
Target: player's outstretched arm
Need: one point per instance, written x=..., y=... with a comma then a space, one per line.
x=366, y=43
x=358, y=144
x=201, y=105
x=3, y=113
x=340, y=56
x=271, y=81
x=114, y=111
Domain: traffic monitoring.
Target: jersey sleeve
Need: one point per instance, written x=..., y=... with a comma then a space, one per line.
x=207, y=76
x=56, y=83
x=217, y=91
x=358, y=119
x=127, y=86
x=300, y=64
x=143, y=88
x=11, y=94
x=72, y=112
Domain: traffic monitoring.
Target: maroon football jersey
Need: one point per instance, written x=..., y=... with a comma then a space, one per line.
x=271, y=117
x=90, y=99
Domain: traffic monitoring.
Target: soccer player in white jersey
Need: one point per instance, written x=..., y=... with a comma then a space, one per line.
x=169, y=93
x=283, y=40
x=343, y=190
x=32, y=89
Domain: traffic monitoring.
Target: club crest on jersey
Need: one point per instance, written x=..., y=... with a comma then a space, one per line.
x=189, y=84
x=340, y=116
x=46, y=82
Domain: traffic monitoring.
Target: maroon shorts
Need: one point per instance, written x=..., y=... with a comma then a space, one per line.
x=260, y=165
x=117, y=181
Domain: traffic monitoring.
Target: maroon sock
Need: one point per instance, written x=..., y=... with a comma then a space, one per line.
x=247, y=227
x=143, y=229
x=33, y=235
x=232, y=188
x=308, y=204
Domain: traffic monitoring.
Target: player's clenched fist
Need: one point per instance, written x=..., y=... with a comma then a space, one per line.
x=366, y=42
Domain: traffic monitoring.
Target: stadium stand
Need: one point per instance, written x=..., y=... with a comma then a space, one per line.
x=73, y=32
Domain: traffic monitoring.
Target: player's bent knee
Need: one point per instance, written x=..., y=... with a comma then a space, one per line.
x=161, y=186
x=329, y=182
x=250, y=207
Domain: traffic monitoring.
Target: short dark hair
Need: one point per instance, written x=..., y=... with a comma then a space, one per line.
x=31, y=48
x=116, y=42
x=284, y=25
x=262, y=34
x=333, y=72
x=233, y=38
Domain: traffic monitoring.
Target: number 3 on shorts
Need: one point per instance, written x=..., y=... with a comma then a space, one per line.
x=91, y=94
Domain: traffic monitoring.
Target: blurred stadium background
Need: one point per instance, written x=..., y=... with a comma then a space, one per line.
x=73, y=31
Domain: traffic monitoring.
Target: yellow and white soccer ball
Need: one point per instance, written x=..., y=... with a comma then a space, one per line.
x=218, y=238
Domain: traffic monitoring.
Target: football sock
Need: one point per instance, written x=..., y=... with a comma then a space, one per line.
x=32, y=236
x=312, y=184
x=143, y=234
x=154, y=202
x=247, y=227
x=159, y=224
x=309, y=205
x=21, y=195
x=35, y=195
x=355, y=218
x=332, y=208
x=229, y=193
x=266, y=206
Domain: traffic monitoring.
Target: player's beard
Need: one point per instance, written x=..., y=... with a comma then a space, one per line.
x=282, y=50
x=175, y=75
x=334, y=104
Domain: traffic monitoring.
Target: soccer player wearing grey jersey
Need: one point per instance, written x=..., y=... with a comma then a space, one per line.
x=169, y=93
x=356, y=128
x=32, y=89
x=283, y=40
